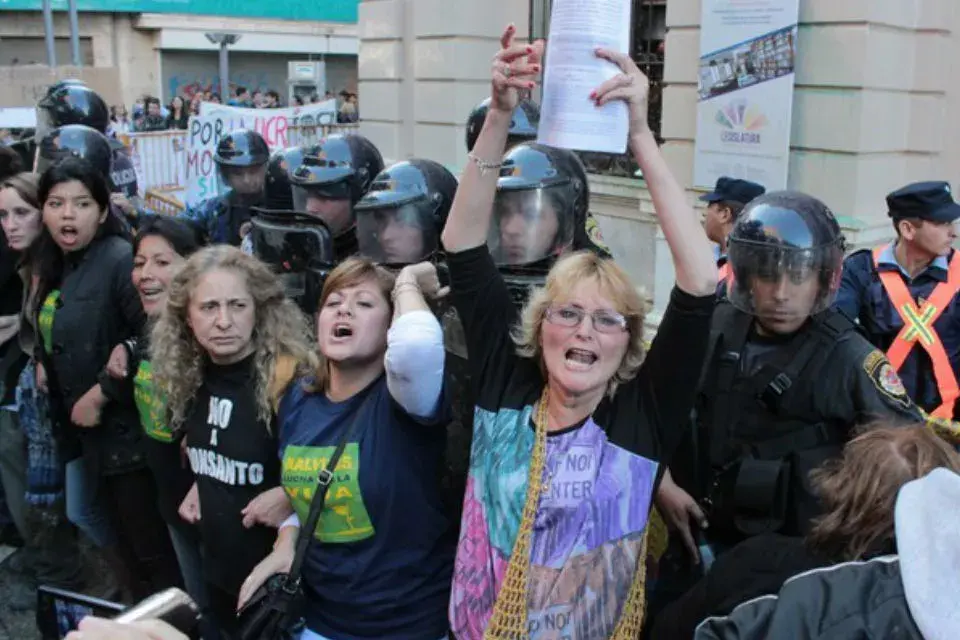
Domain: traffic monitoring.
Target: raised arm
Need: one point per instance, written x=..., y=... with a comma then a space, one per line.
x=515, y=67
x=692, y=258
x=415, y=357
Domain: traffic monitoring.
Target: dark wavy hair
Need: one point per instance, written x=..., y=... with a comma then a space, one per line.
x=184, y=236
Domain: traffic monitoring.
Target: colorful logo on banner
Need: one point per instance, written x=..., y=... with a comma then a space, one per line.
x=742, y=122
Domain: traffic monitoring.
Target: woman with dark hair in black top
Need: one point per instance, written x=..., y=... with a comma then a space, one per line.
x=160, y=249
x=87, y=304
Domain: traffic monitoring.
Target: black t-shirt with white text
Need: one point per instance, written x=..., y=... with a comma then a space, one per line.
x=234, y=459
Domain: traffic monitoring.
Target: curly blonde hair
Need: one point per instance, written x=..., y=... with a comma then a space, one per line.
x=859, y=489
x=611, y=282
x=280, y=332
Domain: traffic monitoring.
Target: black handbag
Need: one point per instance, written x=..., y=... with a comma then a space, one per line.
x=274, y=612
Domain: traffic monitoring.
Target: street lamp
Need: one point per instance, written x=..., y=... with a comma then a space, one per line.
x=224, y=40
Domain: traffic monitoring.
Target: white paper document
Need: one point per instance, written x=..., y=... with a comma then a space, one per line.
x=569, y=118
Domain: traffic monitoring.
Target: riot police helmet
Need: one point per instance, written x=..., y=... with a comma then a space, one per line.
x=523, y=124
x=241, y=158
x=76, y=141
x=786, y=257
x=278, y=191
x=333, y=175
x=400, y=219
x=71, y=102
x=542, y=196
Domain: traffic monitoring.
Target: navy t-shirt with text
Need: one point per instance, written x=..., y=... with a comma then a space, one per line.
x=381, y=561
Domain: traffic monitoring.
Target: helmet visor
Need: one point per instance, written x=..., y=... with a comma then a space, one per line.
x=244, y=181
x=331, y=203
x=292, y=248
x=530, y=225
x=397, y=235
x=781, y=281
x=45, y=124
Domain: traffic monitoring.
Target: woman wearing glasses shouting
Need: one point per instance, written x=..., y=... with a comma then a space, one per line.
x=574, y=422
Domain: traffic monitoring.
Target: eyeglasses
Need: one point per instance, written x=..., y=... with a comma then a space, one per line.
x=604, y=320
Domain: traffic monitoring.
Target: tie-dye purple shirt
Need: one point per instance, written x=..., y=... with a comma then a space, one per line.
x=599, y=477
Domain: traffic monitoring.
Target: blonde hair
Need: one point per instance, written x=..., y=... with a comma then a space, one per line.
x=348, y=273
x=280, y=331
x=859, y=489
x=611, y=282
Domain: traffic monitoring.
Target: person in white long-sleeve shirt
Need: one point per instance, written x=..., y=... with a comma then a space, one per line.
x=381, y=561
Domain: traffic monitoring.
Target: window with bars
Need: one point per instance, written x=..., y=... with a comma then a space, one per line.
x=647, y=36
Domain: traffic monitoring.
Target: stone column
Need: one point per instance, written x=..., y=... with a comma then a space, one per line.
x=423, y=65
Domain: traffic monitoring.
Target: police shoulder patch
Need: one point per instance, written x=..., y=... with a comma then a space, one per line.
x=594, y=233
x=884, y=377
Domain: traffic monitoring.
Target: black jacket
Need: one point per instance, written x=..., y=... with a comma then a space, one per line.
x=98, y=309
x=850, y=600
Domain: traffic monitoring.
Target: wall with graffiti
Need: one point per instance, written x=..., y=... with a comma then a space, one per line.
x=187, y=72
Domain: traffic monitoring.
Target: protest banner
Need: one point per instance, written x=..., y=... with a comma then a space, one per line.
x=281, y=128
x=746, y=81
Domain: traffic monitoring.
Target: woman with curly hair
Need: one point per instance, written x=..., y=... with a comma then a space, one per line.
x=224, y=349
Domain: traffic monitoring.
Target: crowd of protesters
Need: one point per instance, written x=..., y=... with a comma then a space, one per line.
x=178, y=399
x=150, y=114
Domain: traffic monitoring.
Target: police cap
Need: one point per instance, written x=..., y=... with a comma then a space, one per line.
x=931, y=201
x=734, y=190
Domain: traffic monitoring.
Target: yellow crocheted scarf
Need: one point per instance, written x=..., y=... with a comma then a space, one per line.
x=509, y=618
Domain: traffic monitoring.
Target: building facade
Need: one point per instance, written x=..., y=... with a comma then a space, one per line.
x=876, y=106
x=164, y=52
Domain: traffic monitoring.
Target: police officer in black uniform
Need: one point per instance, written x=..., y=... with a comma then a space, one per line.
x=332, y=177
x=298, y=246
x=400, y=219
x=241, y=158
x=79, y=141
x=540, y=212
x=72, y=102
x=523, y=126
x=787, y=381
x=399, y=222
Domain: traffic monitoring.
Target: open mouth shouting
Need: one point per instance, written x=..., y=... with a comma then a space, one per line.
x=68, y=235
x=341, y=332
x=577, y=359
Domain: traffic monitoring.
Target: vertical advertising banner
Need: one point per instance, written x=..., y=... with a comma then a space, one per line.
x=745, y=102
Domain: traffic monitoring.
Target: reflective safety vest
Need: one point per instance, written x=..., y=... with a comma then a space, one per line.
x=918, y=327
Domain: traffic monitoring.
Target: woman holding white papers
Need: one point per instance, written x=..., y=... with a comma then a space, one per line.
x=573, y=421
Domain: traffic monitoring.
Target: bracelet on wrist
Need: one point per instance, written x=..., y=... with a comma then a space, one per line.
x=400, y=287
x=484, y=166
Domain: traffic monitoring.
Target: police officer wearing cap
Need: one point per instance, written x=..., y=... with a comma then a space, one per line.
x=241, y=158
x=904, y=294
x=725, y=202
x=786, y=381
x=298, y=246
x=331, y=178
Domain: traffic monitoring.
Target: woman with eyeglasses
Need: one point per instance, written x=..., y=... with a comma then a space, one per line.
x=574, y=421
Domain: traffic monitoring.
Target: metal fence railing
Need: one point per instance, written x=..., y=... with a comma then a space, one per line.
x=160, y=157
